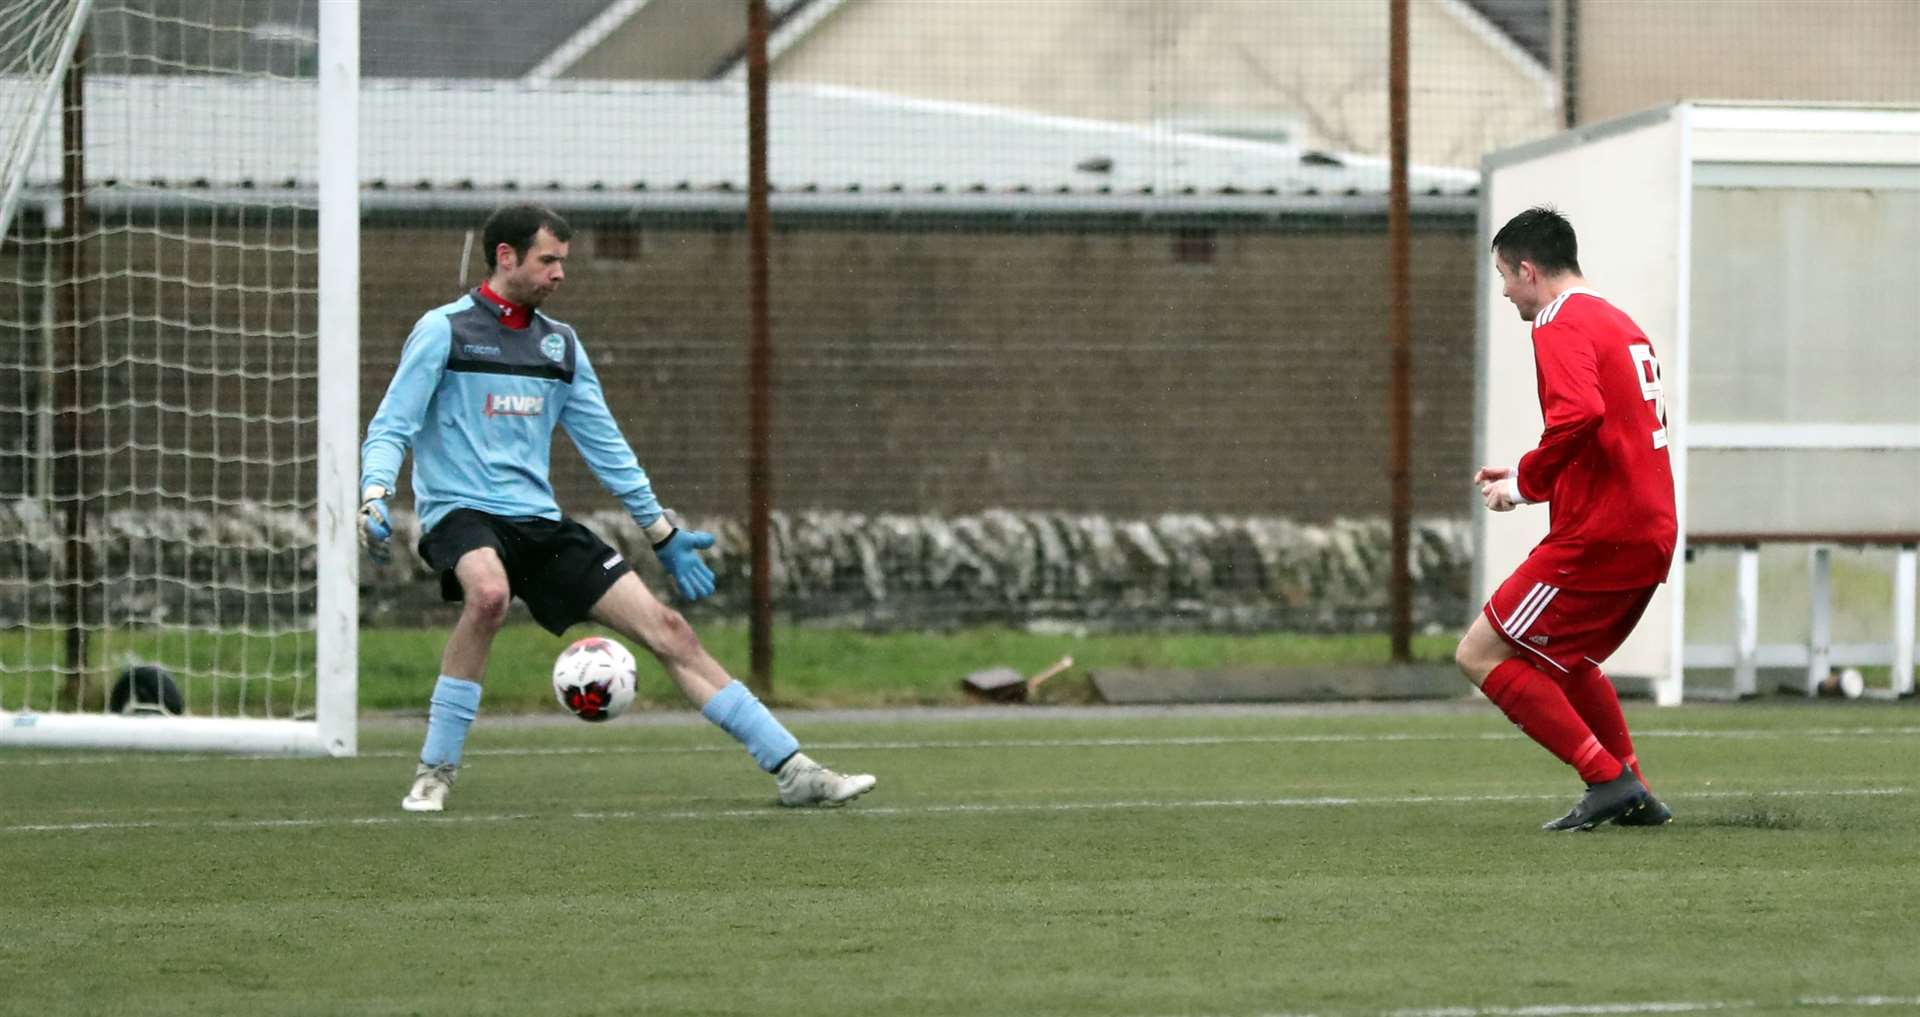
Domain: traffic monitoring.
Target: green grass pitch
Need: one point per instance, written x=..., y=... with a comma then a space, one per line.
x=1332, y=861
x=813, y=666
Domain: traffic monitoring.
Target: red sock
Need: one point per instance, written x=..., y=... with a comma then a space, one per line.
x=1535, y=703
x=1594, y=699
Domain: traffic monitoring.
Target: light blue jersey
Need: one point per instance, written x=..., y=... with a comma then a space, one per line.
x=477, y=402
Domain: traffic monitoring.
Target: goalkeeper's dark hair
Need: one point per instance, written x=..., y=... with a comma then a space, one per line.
x=517, y=225
x=1540, y=235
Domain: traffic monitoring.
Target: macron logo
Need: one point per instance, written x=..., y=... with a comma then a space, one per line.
x=515, y=405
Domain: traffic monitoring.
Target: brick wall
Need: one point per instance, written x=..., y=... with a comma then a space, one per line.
x=952, y=371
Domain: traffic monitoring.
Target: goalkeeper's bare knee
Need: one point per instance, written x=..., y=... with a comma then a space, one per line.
x=486, y=606
x=669, y=637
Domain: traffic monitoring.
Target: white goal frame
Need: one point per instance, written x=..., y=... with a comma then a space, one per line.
x=333, y=731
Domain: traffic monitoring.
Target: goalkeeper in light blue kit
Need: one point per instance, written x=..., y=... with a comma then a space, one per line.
x=480, y=386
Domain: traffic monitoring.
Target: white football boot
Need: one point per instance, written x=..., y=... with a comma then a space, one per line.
x=430, y=787
x=805, y=782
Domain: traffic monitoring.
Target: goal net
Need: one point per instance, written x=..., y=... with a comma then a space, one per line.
x=37, y=40
x=166, y=580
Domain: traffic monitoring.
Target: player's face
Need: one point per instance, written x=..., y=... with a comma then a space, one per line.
x=1520, y=284
x=532, y=279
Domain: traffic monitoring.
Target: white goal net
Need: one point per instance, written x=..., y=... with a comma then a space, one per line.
x=162, y=560
x=37, y=39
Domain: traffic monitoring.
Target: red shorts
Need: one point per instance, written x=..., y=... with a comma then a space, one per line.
x=1565, y=629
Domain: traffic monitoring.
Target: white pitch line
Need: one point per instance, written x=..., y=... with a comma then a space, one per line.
x=253, y=824
x=896, y=811
x=1699, y=1006
x=1572, y=1009
x=1606, y=1009
x=1858, y=1001
x=1312, y=801
x=1170, y=741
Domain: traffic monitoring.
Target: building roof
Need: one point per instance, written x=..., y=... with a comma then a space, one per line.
x=1523, y=25
x=1529, y=23
x=685, y=40
x=627, y=143
x=411, y=38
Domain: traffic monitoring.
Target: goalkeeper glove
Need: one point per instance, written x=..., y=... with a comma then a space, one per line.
x=679, y=555
x=375, y=527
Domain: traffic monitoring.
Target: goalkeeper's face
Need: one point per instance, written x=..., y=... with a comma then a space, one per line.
x=531, y=279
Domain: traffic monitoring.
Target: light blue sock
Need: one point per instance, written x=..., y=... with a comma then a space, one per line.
x=456, y=701
x=739, y=713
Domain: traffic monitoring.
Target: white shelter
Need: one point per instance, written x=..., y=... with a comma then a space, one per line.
x=1770, y=253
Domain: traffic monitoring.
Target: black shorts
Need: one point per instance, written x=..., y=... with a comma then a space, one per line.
x=558, y=567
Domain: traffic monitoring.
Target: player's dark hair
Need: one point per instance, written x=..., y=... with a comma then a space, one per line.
x=1540, y=235
x=517, y=225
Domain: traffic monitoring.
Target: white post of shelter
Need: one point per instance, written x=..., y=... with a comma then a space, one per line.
x=1904, y=567
x=1820, y=627
x=1746, y=623
x=1755, y=245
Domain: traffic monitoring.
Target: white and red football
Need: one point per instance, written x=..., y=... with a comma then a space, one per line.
x=593, y=678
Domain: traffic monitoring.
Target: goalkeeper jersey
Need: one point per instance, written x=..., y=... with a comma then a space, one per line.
x=477, y=401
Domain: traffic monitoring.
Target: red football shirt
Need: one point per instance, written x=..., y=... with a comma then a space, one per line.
x=1602, y=464
x=512, y=315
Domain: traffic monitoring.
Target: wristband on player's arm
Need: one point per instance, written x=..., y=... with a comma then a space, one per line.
x=1513, y=489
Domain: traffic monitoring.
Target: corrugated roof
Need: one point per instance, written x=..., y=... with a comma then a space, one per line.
x=673, y=136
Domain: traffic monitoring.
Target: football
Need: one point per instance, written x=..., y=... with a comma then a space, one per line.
x=594, y=679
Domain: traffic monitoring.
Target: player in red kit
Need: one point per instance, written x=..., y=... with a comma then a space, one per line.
x=1602, y=469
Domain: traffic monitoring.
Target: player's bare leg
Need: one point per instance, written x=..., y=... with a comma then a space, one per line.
x=1537, y=705
x=1480, y=651
x=463, y=664
x=483, y=579
x=632, y=610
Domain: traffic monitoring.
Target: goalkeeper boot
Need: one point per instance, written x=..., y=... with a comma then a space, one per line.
x=805, y=782
x=1652, y=812
x=1603, y=802
x=430, y=787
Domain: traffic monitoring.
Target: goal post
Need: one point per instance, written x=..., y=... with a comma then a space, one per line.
x=179, y=405
x=337, y=494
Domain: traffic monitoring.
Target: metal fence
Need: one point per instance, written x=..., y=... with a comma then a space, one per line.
x=1120, y=260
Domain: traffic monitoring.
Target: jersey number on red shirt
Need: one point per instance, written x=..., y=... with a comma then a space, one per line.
x=1650, y=390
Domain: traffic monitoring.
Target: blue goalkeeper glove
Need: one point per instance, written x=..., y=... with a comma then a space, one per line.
x=375, y=526
x=679, y=555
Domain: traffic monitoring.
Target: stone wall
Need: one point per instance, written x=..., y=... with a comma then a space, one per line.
x=1167, y=572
